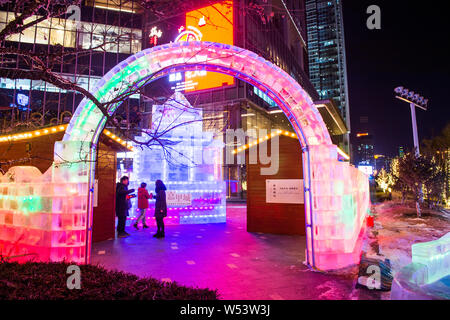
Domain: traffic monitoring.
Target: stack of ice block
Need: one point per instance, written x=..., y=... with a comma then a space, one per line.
x=340, y=202
x=339, y=194
x=41, y=219
x=435, y=256
x=191, y=168
x=426, y=278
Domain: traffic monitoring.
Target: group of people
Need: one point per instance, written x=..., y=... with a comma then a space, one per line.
x=123, y=204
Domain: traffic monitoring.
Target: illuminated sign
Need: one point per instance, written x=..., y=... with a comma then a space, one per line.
x=359, y=135
x=175, y=77
x=201, y=21
x=189, y=34
x=22, y=99
x=154, y=35
x=193, y=74
x=366, y=169
x=213, y=23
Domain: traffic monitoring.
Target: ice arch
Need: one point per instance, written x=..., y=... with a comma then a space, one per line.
x=336, y=195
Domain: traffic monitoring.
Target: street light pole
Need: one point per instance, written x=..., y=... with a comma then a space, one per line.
x=414, y=101
x=414, y=126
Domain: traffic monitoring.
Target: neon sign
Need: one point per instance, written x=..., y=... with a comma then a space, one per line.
x=201, y=21
x=154, y=35
x=190, y=34
x=214, y=23
x=22, y=99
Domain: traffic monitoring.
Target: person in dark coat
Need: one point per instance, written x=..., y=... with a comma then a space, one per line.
x=122, y=205
x=160, y=207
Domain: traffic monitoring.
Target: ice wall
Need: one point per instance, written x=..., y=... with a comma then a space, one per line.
x=42, y=219
x=190, y=164
x=340, y=204
x=435, y=256
x=337, y=195
x=427, y=277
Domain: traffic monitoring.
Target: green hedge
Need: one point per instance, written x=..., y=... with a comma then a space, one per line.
x=48, y=281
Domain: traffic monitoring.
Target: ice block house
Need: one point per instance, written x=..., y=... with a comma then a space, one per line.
x=35, y=218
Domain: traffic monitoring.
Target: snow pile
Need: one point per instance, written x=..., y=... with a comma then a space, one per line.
x=397, y=228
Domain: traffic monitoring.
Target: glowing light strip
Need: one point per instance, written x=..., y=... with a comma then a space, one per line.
x=332, y=115
x=193, y=31
x=343, y=154
x=275, y=111
x=52, y=130
x=359, y=135
x=280, y=132
x=267, y=137
x=33, y=134
x=115, y=9
x=124, y=143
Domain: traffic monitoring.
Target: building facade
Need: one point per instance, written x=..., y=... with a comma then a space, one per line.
x=99, y=33
x=275, y=30
x=110, y=31
x=327, y=59
x=364, y=152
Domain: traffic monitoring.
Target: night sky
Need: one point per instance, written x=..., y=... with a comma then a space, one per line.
x=410, y=50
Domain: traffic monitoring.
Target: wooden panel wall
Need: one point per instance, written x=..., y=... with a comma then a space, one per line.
x=288, y=219
x=104, y=213
x=40, y=151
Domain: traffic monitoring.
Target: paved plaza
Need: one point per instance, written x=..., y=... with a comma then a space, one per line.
x=241, y=265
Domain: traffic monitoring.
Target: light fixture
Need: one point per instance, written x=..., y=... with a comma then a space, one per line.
x=52, y=130
x=414, y=100
x=411, y=97
x=277, y=133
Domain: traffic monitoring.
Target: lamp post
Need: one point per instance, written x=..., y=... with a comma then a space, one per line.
x=414, y=100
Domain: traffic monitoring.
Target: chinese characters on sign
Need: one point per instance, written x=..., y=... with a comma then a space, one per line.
x=178, y=199
x=285, y=191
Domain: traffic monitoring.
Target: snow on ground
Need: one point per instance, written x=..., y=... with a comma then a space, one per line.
x=397, y=228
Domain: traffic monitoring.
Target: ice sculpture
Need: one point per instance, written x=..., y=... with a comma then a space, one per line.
x=435, y=255
x=41, y=219
x=336, y=194
x=426, y=278
x=190, y=165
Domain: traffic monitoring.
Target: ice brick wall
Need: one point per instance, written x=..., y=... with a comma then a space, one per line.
x=435, y=258
x=191, y=168
x=340, y=203
x=337, y=195
x=41, y=219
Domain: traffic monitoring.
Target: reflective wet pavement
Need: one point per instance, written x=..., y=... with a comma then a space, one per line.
x=226, y=257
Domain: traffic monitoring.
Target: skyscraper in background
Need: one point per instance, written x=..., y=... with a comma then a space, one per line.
x=326, y=51
x=364, y=151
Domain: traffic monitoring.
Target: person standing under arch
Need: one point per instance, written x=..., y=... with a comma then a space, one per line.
x=122, y=205
x=160, y=207
x=143, y=197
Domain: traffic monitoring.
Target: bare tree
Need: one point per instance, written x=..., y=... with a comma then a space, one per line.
x=43, y=66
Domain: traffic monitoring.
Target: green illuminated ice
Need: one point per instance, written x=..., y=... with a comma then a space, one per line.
x=435, y=255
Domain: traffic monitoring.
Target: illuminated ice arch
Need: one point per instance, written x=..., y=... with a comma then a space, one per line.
x=332, y=226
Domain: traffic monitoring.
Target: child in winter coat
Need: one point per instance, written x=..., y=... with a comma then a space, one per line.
x=143, y=197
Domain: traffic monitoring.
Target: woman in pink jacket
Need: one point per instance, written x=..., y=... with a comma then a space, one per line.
x=143, y=197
